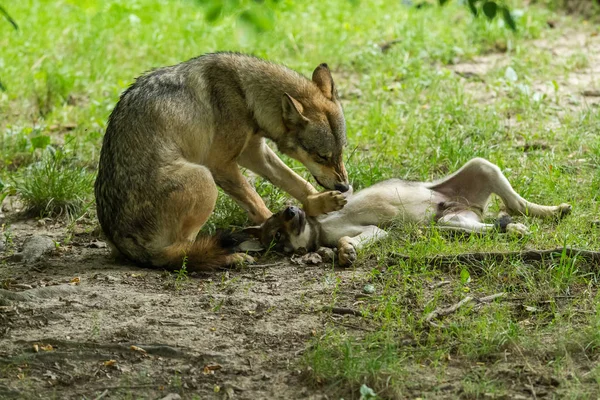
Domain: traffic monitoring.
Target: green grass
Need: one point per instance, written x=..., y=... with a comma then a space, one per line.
x=409, y=116
x=53, y=186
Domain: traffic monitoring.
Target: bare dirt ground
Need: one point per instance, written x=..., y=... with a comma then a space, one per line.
x=229, y=334
x=84, y=326
x=576, y=50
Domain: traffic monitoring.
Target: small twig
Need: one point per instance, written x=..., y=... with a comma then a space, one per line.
x=101, y=395
x=440, y=284
x=591, y=93
x=342, y=311
x=107, y=388
x=252, y=266
x=490, y=298
x=532, y=388
x=440, y=312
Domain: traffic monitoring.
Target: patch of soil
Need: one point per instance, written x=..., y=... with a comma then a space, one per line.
x=227, y=334
x=577, y=89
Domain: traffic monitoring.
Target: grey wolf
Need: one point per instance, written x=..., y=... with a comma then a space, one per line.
x=179, y=132
x=455, y=203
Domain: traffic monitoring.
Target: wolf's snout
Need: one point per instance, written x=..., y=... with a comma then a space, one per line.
x=342, y=187
x=290, y=212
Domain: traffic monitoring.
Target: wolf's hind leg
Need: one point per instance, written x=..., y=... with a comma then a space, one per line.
x=183, y=213
x=478, y=179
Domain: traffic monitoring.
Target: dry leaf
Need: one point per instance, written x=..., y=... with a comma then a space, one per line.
x=139, y=349
x=110, y=363
x=36, y=348
x=46, y=347
x=211, y=368
x=75, y=281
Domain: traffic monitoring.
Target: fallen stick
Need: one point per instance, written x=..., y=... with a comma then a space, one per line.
x=45, y=292
x=490, y=298
x=255, y=266
x=441, y=312
x=342, y=311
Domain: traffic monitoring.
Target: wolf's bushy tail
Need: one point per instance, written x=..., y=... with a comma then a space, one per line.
x=204, y=254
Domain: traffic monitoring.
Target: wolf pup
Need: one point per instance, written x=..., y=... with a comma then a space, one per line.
x=455, y=203
x=179, y=132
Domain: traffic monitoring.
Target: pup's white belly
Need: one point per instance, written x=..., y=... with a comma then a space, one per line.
x=382, y=204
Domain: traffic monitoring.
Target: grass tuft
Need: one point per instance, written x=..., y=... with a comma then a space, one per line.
x=54, y=186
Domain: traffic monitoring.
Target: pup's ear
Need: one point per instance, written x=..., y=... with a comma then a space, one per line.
x=322, y=78
x=292, y=111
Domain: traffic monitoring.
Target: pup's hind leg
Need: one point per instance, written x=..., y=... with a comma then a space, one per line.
x=468, y=221
x=478, y=179
x=347, y=245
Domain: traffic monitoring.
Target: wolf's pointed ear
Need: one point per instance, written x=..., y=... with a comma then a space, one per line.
x=322, y=78
x=292, y=111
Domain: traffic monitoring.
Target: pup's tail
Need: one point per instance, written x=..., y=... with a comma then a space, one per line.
x=205, y=254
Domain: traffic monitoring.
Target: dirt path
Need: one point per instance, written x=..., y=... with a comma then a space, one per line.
x=577, y=51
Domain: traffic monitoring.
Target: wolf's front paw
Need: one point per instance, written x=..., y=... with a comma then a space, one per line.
x=346, y=254
x=322, y=203
x=517, y=229
x=239, y=259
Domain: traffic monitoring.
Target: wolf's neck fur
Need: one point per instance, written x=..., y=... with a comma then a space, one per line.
x=264, y=85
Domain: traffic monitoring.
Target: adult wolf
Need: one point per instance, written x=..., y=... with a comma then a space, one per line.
x=180, y=131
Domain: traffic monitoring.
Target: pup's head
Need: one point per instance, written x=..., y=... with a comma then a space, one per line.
x=288, y=231
x=316, y=131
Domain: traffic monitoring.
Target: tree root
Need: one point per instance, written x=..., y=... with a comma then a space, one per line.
x=591, y=257
x=46, y=292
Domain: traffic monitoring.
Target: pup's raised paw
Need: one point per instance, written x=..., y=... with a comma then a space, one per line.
x=346, y=255
x=322, y=203
x=517, y=229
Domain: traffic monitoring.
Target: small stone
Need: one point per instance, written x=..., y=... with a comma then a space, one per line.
x=308, y=258
x=369, y=289
x=112, y=279
x=2, y=245
x=35, y=247
x=327, y=254
x=97, y=244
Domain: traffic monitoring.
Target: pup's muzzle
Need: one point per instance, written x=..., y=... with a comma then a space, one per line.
x=295, y=218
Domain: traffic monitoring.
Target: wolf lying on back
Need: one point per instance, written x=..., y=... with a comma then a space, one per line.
x=454, y=203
